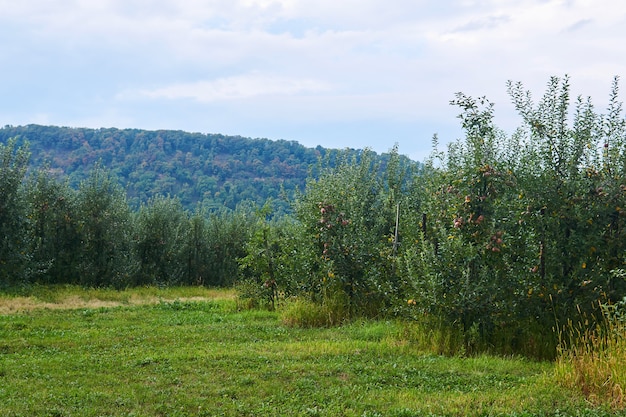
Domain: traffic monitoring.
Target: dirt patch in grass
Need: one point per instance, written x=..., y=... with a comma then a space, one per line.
x=22, y=304
x=15, y=305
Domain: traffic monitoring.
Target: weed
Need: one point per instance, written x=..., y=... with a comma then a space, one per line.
x=593, y=360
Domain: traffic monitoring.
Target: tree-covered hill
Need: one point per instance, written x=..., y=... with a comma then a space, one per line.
x=214, y=169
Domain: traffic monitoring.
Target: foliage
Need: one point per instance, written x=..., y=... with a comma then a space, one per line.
x=196, y=251
x=55, y=230
x=261, y=263
x=90, y=236
x=13, y=223
x=460, y=267
x=228, y=233
x=252, y=295
x=574, y=194
x=161, y=235
x=521, y=229
x=279, y=261
x=349, y=214
x=176, y=247
x=209, y=169
x=105, y=222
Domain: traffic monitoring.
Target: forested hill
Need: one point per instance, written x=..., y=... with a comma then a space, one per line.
x=214, y=169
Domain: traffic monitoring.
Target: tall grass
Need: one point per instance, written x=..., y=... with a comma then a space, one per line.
x=300, y=312
x=592, y=359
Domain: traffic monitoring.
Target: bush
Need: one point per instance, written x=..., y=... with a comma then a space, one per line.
x=252, y=294
x=349, y=216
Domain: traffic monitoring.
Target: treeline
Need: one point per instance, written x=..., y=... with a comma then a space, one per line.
x=91, y=235
x=495, y=244
x=212, y=169
x=52, y=233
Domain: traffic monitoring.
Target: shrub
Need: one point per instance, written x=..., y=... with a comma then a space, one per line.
x=349, y=216
x=251, y=294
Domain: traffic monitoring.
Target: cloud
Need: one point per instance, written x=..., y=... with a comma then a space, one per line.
x=488, y=22
x=234, y=88
x=578, y=25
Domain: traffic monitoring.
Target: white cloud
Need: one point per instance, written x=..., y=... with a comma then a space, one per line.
x=234, y=88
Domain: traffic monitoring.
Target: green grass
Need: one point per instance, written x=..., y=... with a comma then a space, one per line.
x=205, y=358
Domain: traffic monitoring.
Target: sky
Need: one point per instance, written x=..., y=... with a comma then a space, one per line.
x=335, y=73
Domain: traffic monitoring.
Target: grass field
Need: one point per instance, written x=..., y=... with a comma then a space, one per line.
x=189, y=352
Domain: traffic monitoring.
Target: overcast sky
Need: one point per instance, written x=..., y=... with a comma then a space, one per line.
x=336, y=73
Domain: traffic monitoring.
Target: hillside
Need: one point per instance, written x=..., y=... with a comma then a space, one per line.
x=214, y=169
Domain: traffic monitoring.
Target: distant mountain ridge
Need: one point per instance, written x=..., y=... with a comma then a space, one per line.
x=214, y=169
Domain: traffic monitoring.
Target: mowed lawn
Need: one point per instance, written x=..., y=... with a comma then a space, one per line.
x=194, y=354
